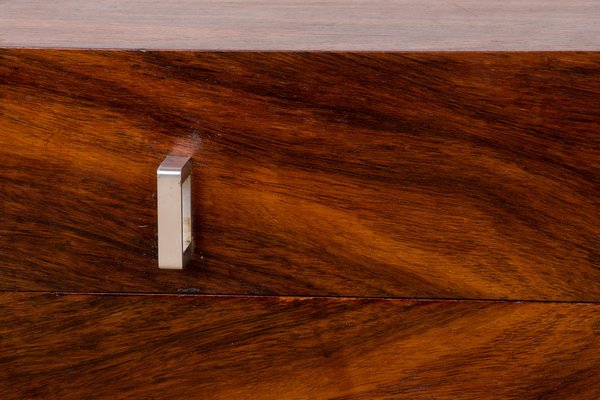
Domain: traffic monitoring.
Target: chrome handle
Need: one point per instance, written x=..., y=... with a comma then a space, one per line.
x=174, y=197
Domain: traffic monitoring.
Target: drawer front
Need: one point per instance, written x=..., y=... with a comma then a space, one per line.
x=446, y=175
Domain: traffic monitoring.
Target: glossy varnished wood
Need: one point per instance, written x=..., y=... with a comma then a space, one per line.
x=446, y=175
x=390, y=25
x=78, y=346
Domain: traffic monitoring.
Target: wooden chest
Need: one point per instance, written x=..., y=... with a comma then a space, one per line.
x=390, y=199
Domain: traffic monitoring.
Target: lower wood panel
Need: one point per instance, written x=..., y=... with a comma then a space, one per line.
x=102, y=346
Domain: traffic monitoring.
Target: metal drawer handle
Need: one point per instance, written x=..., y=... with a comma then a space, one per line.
x=174, y=193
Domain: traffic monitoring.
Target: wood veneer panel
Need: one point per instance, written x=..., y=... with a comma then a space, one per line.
x=391, y=25
x=79, y=346
x=446, y=175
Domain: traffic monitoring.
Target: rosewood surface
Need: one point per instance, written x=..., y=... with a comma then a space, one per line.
x=338, y=169
x=445, y=175
x=80, y=346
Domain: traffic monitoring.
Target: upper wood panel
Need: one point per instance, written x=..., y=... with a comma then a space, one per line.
x=197, y=347
x=390, y=25
x=449, y=175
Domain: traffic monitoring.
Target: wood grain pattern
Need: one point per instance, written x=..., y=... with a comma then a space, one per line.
x=390, y=25
x=165, y=347
x=431, y=175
